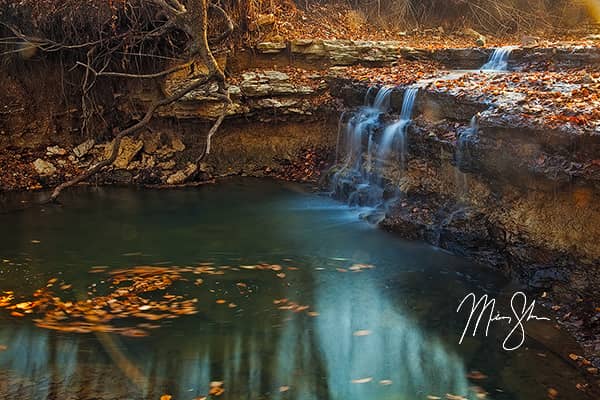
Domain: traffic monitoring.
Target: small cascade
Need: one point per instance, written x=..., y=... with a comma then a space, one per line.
x=394, y=135
x=498, y=61
x=339, y=135
x=368, y=145
x=461, y=181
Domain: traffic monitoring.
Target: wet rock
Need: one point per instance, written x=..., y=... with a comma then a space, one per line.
x=55, y=151
x=545, y=278
x=128, y=149
x=44, y=168
x=182, y=175
x=82, y=149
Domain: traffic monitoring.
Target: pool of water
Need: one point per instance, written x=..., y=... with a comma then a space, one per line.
x=290, y=296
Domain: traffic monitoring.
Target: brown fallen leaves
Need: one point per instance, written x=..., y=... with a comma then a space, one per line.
x=135, y=297
x=285, y=304
x=96, y=314
x=216, y=388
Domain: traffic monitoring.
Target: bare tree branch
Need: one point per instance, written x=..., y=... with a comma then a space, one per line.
x=131, y=130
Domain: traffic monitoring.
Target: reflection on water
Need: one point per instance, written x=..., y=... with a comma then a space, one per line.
x=388, y=332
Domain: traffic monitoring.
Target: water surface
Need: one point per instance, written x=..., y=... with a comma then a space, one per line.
x=388, y=332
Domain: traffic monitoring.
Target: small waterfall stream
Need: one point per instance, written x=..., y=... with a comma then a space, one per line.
x=367, y=150
x=498, y=61
x=462, y=185
x=394, y=135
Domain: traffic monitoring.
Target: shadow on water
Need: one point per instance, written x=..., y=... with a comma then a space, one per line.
x=381, y=333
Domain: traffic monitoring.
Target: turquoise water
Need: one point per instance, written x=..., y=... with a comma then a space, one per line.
x=387, y=332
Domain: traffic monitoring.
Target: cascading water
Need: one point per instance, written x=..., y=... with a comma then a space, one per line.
x=498, y=61
x=462, y=186
x=359, y=178
x=394, y=135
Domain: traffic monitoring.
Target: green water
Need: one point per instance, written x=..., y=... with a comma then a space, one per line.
x=405, y=306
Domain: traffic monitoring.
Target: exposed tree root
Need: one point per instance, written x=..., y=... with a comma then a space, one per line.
x=191, y=18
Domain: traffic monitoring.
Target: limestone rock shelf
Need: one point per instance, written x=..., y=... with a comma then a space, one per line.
x=351, y=52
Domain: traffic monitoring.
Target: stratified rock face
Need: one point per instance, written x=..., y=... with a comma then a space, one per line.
x=524, y=192
x=337, y=52
x=257, y=93
x=270, y=83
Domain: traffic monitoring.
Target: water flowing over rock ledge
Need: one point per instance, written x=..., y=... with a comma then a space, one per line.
x=350, y=52
x=483, y=176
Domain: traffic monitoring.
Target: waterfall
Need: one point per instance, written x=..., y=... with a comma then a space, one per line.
x=359, y=178
x=339, y=135
x=462, y=186
x=498, y=61
x=394, y=135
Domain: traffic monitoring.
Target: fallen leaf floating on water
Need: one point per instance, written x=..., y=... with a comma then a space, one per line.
x=360, y=267
x=124, y=296
x=96, y=314
x=476, y=375
x=3, y=347
x=362, y=333
x=166, y=397
x=480, y=392
x=450, y=396
x=216, y=388
x=362, y=380
x=552, y=393
x=284, y=389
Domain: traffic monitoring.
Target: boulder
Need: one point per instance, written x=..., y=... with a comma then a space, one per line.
x=44, y=168
x=128, y=149
x=152, y=141
x=182, y=175
x=167, y=165
x=176, y=142
x=83, y=148
x=55, y=151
